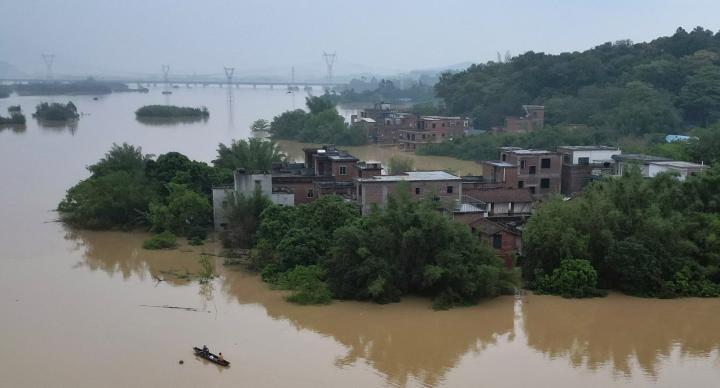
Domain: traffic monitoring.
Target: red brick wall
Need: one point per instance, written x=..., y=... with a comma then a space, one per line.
x=351, y=171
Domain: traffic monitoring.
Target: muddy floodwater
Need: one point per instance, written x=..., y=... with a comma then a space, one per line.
x=88, y=308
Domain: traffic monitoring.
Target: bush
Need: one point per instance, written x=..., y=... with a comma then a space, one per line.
x=573, y=279
x=169, y=111
x=307, y=285
x=164, y=240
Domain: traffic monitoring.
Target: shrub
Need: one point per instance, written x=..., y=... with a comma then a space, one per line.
x=164, y=240
x=307, y=285
x=572, y=279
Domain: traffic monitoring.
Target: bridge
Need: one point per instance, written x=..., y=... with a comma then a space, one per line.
x=183, y=81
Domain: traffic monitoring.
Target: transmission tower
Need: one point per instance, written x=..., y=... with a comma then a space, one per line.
x=48, y=58
x=229, y=74
x=166, y=71
x=329, y=62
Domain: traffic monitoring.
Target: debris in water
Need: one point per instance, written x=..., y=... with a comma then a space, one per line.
x=171, y=307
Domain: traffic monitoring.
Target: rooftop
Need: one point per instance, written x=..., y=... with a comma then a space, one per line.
x=523, y=151
x=679, y=164
x=413, y=176
x=498, y=163
x=640, y=158
x=441, y=117
x=588, y=148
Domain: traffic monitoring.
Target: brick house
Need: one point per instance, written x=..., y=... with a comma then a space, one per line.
x=433, y=129
x=438, y=185
x=537, y=170
x=533, y=119
x=505, y=239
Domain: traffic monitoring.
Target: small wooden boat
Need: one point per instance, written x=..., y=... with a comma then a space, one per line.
x=210, y=357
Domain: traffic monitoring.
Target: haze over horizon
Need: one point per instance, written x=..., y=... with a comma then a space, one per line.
x=262, y=37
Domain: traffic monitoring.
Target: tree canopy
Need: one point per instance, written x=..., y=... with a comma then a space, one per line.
x=669, y=83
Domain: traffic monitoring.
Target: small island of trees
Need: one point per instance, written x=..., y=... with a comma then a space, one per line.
x=16, y=117
x=170, y=111
x=56, y=111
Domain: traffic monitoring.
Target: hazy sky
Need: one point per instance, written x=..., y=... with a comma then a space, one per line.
x=270, y=36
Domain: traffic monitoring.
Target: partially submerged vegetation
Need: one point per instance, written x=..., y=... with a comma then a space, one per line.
x=646, y=237
x=322, y=124
x=164, y=240
x=89, y=86
x=170, y=193
x=406, y=248
x=15, y=116
x=383, y=91
x=171, y=112
x=56, y=111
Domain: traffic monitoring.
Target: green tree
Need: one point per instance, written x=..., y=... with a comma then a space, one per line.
x=181, y=212
x=399, y=164
x=252, y=155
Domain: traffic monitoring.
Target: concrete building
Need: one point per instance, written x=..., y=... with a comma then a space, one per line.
x=624, y=161
x=583, y=164
x=682, y=169
x=438, y=185
x=537, y=170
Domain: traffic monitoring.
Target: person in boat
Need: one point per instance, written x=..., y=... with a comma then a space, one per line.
x=220, y=357
x=205, y=349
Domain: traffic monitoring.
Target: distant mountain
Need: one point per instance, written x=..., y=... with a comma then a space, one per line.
x=10, y=71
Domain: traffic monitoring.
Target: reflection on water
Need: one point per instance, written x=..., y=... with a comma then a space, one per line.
x=58, y=126
x=171, y=121
x=14, y=128
x=621, y=331
x=408, y=343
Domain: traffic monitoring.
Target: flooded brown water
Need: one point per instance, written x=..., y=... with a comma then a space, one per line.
x=76, y=306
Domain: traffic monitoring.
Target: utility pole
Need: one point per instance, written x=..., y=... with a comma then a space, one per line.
x=329, y=62
x=292, y=75
x=48, y=58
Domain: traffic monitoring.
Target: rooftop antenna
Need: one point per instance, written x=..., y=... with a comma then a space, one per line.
x=48, y=58
x=329, y=62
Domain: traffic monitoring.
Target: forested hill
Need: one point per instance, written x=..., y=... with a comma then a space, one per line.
x=667, y=84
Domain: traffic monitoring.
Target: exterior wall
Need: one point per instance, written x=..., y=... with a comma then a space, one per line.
x=350, y=171
x=218, y=198
x=505, y=175
x=246, y=183
x=575, y=178
x=285, y=199
x=534, y=180
x=622, y=166
x=369, y=193
x=655, y=169
x=594, y=155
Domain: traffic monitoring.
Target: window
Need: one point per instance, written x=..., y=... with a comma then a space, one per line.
x=449, y=189
x=343, y=170
x=584, y=161
x=545, y=183
x=310, y=193
x=443, y=124
x=497, y=241
x=533, y=170
x=258, y=185
x=418, y=191
x=504, y=157
x=532, y=189
x=522, y=164
x=521, y=184
x=434, y=125
x=567, y=159
x=545, y=163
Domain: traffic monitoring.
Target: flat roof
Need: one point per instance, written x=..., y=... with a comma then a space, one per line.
x=498, y=163
x=413, y=176
x=524, y=151
x=441, y=117
x=589, y=148
x=679, y=164
x=342, y=157
x=640, y=158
